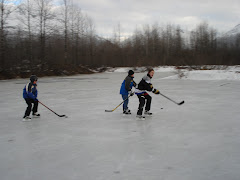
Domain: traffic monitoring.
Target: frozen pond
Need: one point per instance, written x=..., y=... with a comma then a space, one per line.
x=199, y=140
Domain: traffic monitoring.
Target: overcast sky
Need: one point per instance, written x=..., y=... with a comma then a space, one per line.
x=106, y=14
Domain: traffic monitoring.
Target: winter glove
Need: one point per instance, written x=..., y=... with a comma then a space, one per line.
x=35, y=99
x=131, y=93
x=151, y=86
x=155, y=91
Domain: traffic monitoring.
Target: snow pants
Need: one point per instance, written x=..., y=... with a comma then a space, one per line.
x=29, y=108
x=142, y=100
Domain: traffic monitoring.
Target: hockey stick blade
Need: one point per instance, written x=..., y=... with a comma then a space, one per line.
x=108, y=110
x=62, y=116
x=181, y=103
x=118, y=105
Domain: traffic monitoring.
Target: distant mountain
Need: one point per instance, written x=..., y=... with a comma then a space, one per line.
x=231, y=37
x=233, y=32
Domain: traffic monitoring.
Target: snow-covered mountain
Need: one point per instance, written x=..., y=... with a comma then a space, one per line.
x=233, y=32
x=231, y=36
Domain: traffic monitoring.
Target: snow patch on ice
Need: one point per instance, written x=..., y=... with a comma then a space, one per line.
x=165, y=69
x=208, y=75
x=142, y=69
x=214, y=72
x=122, y=70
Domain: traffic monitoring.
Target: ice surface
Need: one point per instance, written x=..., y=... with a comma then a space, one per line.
x=199, y=140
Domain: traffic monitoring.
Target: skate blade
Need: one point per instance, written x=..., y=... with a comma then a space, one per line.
x=141, y=118
x=26, y=120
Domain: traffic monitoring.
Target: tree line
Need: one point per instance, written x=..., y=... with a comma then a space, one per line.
x=39, y=35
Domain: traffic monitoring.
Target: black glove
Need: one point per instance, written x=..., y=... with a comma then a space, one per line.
x=155, y=91
x=131, y=93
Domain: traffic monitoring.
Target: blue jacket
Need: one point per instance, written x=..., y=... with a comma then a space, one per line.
x=30, y=91
x=127, y=85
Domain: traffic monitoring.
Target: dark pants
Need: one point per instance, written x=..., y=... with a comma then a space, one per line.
x=142, y=99
x=29, y=108
x=125, y=104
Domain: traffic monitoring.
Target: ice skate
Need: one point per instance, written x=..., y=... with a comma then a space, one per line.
x=27, y=118
x=140, y=117
x=147, y=113
x=127, y=111
x=35, y=115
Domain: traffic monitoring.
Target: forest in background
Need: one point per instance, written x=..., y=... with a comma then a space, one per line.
x=46, y=40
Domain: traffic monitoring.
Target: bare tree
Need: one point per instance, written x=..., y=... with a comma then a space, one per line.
x=238, y=41
x=77, y=24
x=5, y=10
x=147, y=37
x=44, y=15
x=66, y=4
x=90, y=32
x=156, y=41
x=117, y=34
x=26, y=12
x=80, y=30
x=203, y=42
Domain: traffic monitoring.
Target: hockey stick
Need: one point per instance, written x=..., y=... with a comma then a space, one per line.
x=52, y=110
x=118, y=105
x=172, y=100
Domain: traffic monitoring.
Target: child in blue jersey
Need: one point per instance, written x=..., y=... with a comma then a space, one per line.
x=125, y=89
x=30, y=94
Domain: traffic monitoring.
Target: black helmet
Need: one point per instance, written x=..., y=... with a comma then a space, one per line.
x=33, y=78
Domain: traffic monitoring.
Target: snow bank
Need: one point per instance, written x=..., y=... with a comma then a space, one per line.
x=207, y=75
x=122, y=70
x=217, y=72
x=165, y=69
x=142, y=69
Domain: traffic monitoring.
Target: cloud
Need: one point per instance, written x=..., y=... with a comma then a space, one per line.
x=106, y=14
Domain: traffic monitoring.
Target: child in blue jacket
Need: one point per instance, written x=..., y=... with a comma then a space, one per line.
x=125, y=89
x=30, y=94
